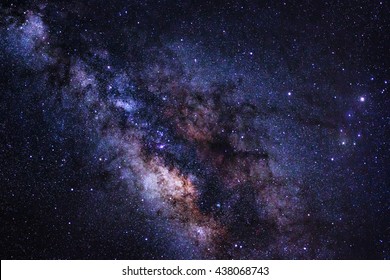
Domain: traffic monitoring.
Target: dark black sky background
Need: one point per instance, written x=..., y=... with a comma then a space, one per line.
x=194, y=130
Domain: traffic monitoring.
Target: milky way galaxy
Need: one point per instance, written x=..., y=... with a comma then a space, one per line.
x=194, y=130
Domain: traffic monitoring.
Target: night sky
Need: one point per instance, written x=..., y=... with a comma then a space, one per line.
x=194, y=129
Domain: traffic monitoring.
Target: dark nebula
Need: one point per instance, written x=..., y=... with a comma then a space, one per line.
x=194, y=129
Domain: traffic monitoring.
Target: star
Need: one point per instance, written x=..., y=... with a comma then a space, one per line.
x=178, y=132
